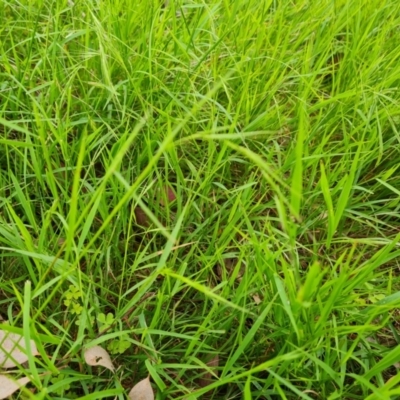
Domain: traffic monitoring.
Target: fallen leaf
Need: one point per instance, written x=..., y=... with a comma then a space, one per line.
x=257, y=299
x=231, y=265
x=8, y=386
x=174, y=248
x=214, y=362
x=207, y=377
x=141, y=217
x=142, y=391
x=168, y=195
x=96, y=355
x=171, y=194
x=61, y=241
x=13, y=349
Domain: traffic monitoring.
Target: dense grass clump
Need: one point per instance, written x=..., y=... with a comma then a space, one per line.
x=209, y=189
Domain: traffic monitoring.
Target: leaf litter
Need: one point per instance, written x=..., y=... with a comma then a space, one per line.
x=13, y=349
x=96, y=356
x=207, y=378
x=8, y=385
x=13, y=352
x=142, y=391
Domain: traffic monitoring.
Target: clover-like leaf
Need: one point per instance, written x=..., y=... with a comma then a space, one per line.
x=110, y=319
x=67, y=302
x=119, y=346
x=79, y=320
x=76, y=295
x=124, y=345
x=106, y=320
x=76, y=308
x=59, y=379
x=101, y=318
x=73, y=293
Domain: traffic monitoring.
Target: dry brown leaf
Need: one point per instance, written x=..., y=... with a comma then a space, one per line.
x=96, y=355
x=168, y=195
x=8, y=385
x=231, y=265
x=175, y=248
x=61, y=241
x=13, y=349
x=207, y=377
x=141, y=217
x=142, y=391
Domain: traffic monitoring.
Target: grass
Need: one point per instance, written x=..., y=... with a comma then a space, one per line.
x=202, y=178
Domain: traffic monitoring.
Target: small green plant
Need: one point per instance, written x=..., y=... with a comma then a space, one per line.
x=118, y=345
x=58, y=380
x=105, y=321
x=71, y=301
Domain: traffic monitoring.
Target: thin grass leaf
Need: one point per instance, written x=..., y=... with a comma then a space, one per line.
x=326, y=191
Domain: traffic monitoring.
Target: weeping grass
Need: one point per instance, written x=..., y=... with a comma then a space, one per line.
x=202, y=180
